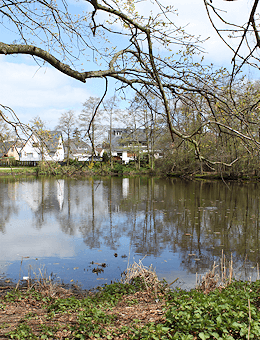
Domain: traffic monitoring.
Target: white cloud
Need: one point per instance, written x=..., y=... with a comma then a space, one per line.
x=28, y=86
x=46, y=92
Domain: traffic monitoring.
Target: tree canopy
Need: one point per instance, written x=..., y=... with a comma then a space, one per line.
x=242, y=38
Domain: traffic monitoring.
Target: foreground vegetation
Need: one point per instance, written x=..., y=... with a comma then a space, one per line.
x=140, y=307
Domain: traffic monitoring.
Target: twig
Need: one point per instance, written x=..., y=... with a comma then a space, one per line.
x=169, y=284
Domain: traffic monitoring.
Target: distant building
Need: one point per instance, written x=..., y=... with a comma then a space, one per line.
x=127, y=143
x=9, y=149
x=50, y=148
x=78, y=150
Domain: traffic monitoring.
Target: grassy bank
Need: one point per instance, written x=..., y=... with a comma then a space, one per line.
x=77, y=169
x=140, y=307
x=104, y=169
x=17, y=171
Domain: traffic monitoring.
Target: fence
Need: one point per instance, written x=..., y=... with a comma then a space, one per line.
x=15, y=163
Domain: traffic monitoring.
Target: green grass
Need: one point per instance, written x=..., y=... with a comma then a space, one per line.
x=18, y=170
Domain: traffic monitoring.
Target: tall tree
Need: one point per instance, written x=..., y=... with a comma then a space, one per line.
x=6, y=133
x=90, y=120
x=67, y=123
x=148, y=113
x=112, y=113
x=38, y=127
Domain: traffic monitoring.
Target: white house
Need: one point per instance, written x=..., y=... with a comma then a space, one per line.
x=50, y=148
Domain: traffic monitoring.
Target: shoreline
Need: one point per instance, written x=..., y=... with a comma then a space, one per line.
x=72, y=172
x=141, y=307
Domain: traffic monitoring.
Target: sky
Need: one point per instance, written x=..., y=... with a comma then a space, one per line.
x=32, y=91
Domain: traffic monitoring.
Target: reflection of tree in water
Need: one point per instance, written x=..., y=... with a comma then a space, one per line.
x=145, y=224
x=93, y=240
x=83, y=210
x=194, y=219
x=218, y=221
x=47, y=203
x=8, y=206
x=148, y=235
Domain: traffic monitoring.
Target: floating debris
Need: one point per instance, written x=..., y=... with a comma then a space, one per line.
x=97, y=270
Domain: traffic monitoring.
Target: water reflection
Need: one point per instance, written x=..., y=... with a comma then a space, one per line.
x=180, y=226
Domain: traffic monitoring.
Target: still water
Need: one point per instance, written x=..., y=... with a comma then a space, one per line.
x=68, y=228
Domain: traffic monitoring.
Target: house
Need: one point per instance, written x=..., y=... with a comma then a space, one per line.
x=9, y=149
x=49, y=147
x=78, y=150
x=127, y=143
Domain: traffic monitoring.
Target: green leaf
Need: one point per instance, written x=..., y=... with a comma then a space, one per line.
x=219, y=320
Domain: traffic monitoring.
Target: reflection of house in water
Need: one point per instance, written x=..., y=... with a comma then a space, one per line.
x=13, y=190
x=34, y=193
x=37, y=193
x=125, y=187
x=60, y=192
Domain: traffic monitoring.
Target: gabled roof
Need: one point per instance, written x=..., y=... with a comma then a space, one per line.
x=77, y=147
x=123, y=136
x=6, y=146
x=50, y=140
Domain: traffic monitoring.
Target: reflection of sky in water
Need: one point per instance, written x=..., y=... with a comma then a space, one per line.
x=68, y=227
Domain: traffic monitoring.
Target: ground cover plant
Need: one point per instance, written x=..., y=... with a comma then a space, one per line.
x=139, y=307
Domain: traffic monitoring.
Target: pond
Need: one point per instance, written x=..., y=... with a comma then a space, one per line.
x=87, y=231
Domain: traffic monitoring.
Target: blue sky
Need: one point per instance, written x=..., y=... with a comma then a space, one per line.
x=33, y=91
